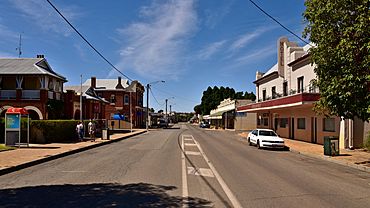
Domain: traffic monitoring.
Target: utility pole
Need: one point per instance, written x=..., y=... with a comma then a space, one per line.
x=147, y=106
x=166, y=108
x=170, y=113
x=81, y=99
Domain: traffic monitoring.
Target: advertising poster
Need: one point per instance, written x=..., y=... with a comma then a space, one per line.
x=13, y=121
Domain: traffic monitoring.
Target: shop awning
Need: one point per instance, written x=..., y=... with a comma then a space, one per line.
x=217, y=115
x=21, y=111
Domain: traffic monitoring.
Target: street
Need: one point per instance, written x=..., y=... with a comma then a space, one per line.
x=185, y=166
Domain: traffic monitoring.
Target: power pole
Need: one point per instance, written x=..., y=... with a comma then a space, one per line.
x=166, y=108
x=147, y=106
x=81, y=100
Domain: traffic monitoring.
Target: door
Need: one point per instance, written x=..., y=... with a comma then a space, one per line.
x=291, y=131
x=314, y=130
x=276, y=122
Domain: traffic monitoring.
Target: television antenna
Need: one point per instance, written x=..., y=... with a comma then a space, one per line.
x=19, y=49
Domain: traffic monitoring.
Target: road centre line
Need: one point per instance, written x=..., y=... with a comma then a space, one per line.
x=190, y=144
x=234, y=201
x=200, y=172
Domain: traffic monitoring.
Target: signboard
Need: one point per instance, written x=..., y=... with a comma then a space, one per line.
x=13, y=121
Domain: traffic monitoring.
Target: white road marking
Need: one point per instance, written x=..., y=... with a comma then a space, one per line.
x=200, y=172
x=192, y=153
x=73, y=171
x=188, y=139
x=190, y=144
x=234, y=201
x=185, y=192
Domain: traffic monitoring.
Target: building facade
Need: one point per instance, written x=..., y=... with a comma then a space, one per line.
x=285, y=99
x=32, y=84
x=123, y=98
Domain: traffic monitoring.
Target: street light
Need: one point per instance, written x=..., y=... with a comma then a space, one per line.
x=147, y=100
x=166, y=103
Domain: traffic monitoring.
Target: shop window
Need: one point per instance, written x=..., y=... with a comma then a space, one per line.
x=127, y=100
x=329, y=124
x=301, y=123
x=258, y=121
x=283, y=122
x=265, y=121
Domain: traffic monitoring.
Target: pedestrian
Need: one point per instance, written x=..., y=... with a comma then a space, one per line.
x=92, y=128
x=80, y=131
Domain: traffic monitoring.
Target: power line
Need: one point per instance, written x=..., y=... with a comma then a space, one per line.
x=177, y=96
x=101, y=55
x=287, y=29
x=151, y=92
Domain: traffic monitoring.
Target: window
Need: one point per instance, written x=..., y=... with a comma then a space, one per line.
x=301, y=123
x=263, y=95
x=329, y=124
x=127, y=100
x=285, y=88
x=283, y=122
x=300, y=84
x=112, y=98
x=265, y=121
x=273, y=92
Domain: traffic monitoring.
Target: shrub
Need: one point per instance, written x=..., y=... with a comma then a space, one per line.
x=49, y=131
x=367, y=142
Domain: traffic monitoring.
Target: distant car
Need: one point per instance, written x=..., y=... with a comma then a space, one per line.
x=204, y=125
x=265, y=138
x=162, y=123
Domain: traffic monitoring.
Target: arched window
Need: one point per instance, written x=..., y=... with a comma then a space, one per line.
x=127, y=100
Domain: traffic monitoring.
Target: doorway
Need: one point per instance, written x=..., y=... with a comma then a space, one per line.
x=314, y=130
x=291, y=130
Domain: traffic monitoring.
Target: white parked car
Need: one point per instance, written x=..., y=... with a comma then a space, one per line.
x=265, y=138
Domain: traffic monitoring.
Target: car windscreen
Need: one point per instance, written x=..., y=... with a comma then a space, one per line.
x=267, y=133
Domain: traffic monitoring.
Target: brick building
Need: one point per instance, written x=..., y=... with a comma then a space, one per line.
x=32, y=84
x=121, y=96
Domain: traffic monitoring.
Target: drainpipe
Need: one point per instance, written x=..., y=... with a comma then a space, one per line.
x=350, y=133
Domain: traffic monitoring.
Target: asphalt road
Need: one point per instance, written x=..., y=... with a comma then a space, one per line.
x=185, y=166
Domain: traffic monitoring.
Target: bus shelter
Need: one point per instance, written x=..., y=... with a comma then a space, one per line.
x=13, y=127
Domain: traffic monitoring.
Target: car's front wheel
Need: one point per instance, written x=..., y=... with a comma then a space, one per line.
x=249, y=142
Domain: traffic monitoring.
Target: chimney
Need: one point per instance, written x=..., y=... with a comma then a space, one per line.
x=259, y=75
x=93, y=82
x=119, y=85
x=40, y=56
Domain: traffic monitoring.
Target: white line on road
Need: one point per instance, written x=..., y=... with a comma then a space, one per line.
x=192, y=153
x=200, y=172
x=185, y=192
x=190, y=144
x=234, y=201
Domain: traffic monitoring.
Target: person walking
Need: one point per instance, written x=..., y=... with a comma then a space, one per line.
x=92, y=128
x=80, y=131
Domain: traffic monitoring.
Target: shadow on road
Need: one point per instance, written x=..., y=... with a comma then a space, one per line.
x=96, y=195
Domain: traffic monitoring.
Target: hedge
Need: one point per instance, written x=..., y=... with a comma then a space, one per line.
x=50, y=131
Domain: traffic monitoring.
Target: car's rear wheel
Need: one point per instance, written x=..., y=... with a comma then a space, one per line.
x=258, y=144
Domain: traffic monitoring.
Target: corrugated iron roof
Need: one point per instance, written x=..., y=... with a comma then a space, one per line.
x=26, y=66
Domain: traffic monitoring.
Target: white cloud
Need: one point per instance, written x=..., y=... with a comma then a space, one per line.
x=211, y=49
x=214, y=16
x=155, y=45
x=247, y=38
x=257, y=54
x=42, y=14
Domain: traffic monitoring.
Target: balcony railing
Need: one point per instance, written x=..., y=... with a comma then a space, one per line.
x=31, y=94
x=8, y=94
x=57, y=96
x=306, y=89
x=50, y=95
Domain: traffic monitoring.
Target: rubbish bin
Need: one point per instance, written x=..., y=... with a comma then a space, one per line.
x=331, y=145
x=105, y=134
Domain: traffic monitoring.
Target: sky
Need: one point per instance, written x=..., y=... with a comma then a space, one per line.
x=190, y=44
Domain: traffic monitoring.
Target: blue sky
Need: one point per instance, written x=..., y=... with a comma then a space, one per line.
x=191, y=44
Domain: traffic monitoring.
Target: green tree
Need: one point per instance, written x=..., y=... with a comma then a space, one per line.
x=340, y=30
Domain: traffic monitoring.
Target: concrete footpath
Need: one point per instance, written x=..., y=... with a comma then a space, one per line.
x=23, y=157
x=359, y=158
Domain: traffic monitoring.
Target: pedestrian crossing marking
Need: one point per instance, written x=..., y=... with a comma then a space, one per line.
x=190, y=144
x=200, y=172
x=192, y=153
